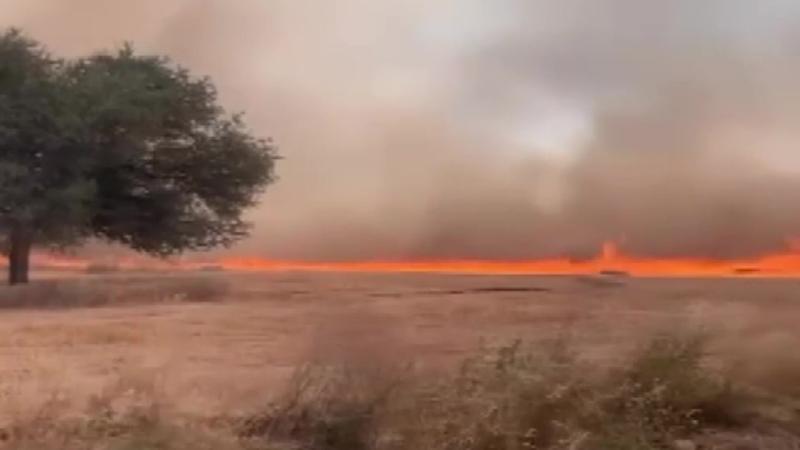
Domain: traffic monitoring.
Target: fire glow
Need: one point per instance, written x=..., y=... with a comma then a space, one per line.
x=610, y=260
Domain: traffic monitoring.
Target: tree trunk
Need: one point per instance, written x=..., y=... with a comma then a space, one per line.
x=19, y=256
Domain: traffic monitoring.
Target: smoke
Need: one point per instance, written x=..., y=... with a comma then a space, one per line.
x=500, y=130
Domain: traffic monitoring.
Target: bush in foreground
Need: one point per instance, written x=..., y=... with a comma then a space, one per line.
x=520, y=397
x=664, y=396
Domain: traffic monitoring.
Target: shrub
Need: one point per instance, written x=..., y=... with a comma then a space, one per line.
x=326, y=408
x=513, y=398
x=126, y=416
x=517, y=397
x=662, y=394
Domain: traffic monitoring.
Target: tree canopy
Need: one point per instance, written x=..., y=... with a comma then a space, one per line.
x=123, y=147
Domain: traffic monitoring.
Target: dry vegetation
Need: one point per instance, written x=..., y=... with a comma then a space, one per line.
x=93, y=292
x=323, y=362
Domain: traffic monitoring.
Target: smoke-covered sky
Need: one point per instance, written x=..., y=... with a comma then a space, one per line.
x=491, y=129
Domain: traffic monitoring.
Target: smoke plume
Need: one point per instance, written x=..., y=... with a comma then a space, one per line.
x=510, y=129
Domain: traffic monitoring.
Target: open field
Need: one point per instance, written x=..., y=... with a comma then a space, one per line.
x=230, y=345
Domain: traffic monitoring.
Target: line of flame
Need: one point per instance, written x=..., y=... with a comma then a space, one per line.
x=610, y=259
x=782, y=264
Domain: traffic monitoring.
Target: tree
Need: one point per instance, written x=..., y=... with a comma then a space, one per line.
x=43, y=193
x=122, y=147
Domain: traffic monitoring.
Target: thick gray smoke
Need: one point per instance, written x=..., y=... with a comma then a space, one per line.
x=503, y=129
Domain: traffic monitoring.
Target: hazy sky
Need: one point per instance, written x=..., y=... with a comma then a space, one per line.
x=491, y=129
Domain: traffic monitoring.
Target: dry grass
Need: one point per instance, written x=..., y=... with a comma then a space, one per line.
x=83, y=293
x=662, y=396
x=387, y=364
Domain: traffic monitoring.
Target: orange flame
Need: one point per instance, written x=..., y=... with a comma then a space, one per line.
x=783, y=264
x=610, y=260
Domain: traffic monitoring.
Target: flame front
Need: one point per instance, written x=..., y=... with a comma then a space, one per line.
x=610, y=260
x=781, y=264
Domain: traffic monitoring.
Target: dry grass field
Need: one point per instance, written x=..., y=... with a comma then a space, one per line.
x=206, y=347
